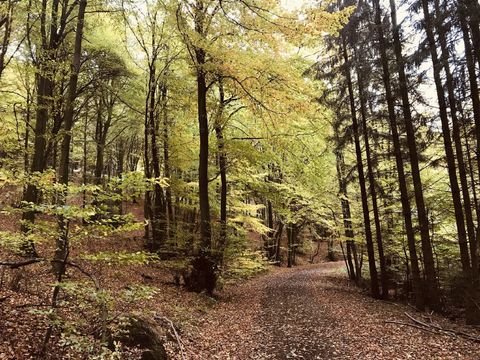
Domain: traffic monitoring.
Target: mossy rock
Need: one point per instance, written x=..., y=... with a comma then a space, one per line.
x=147, y=335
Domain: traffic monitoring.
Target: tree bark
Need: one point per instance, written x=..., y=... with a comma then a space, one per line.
x=371, y=179
x=361, y=178
x=452, y=170
x=474, y=91
x=44, y=95
x=222, y=168
x=473, y=311
x=170, y=216
x=62, y=245
x=347, y=217
x=6, y=21
x=431, y=295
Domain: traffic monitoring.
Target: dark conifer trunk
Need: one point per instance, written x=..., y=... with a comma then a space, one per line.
x=431, y=295
x=371, y=179
x=406, y=206
x=473, y=311
x=361, y=178
x=473, y=81
x=456, y=134
x=452, y=170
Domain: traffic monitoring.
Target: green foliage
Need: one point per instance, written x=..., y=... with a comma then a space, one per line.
x=122, y=258
x=245, y=265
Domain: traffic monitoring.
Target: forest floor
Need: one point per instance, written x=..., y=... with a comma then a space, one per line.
x=313, y=312
x=306, y=312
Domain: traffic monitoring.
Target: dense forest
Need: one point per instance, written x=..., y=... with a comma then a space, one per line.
x=156, y=156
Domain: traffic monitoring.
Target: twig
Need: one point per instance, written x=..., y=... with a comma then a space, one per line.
x=177, y=337
x=411, y=325
x=439, y=329
x=416, y=320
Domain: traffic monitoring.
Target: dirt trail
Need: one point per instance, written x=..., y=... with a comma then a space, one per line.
x=312, y=313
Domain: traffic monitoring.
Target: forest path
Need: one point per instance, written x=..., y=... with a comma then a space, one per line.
x=313, y=312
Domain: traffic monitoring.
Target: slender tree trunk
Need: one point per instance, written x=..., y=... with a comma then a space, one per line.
x=85, y=156
x=270, y=241
x=470, y=10
x=455, y=190
x=203, y=276
x=6, y=20
x=289, y=244
x=361, y=179
x=473, y=310
x=456, y=134
x=158, y=205
x=347, y=217
x=431, y=280
x=100, y=149
x=170, y=227
x=471, y=171
x=295, y=231
x=452, y=171
x=62, y=246
x=147, y=207
x=431, y=295
x=371, y=179
x=474, y=90
x=222, y=167
x=205, y=229
x=44, y=94
x=26, y=164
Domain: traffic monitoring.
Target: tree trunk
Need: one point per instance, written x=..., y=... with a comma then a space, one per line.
x=222, y=168
x=85, y=156
x=62, y=246
x=44, y=95
x=347, y=217
x=371, y=179
x=147, y=207
x=278, y=241
x=289, y=244
x=431, y=295
x=361, y=178
x=203, y=275
x=158, y=206
x=452, y=171
x=474, y=95
x=6, y=20
x=269, y=243
x=170, y=226
x=205, y=227
x=473, y=313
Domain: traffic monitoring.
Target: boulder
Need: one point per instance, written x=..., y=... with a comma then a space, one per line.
x=146, y=335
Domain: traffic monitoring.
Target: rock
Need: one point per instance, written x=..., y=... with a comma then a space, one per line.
x=147, y=335
x=203, y=275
